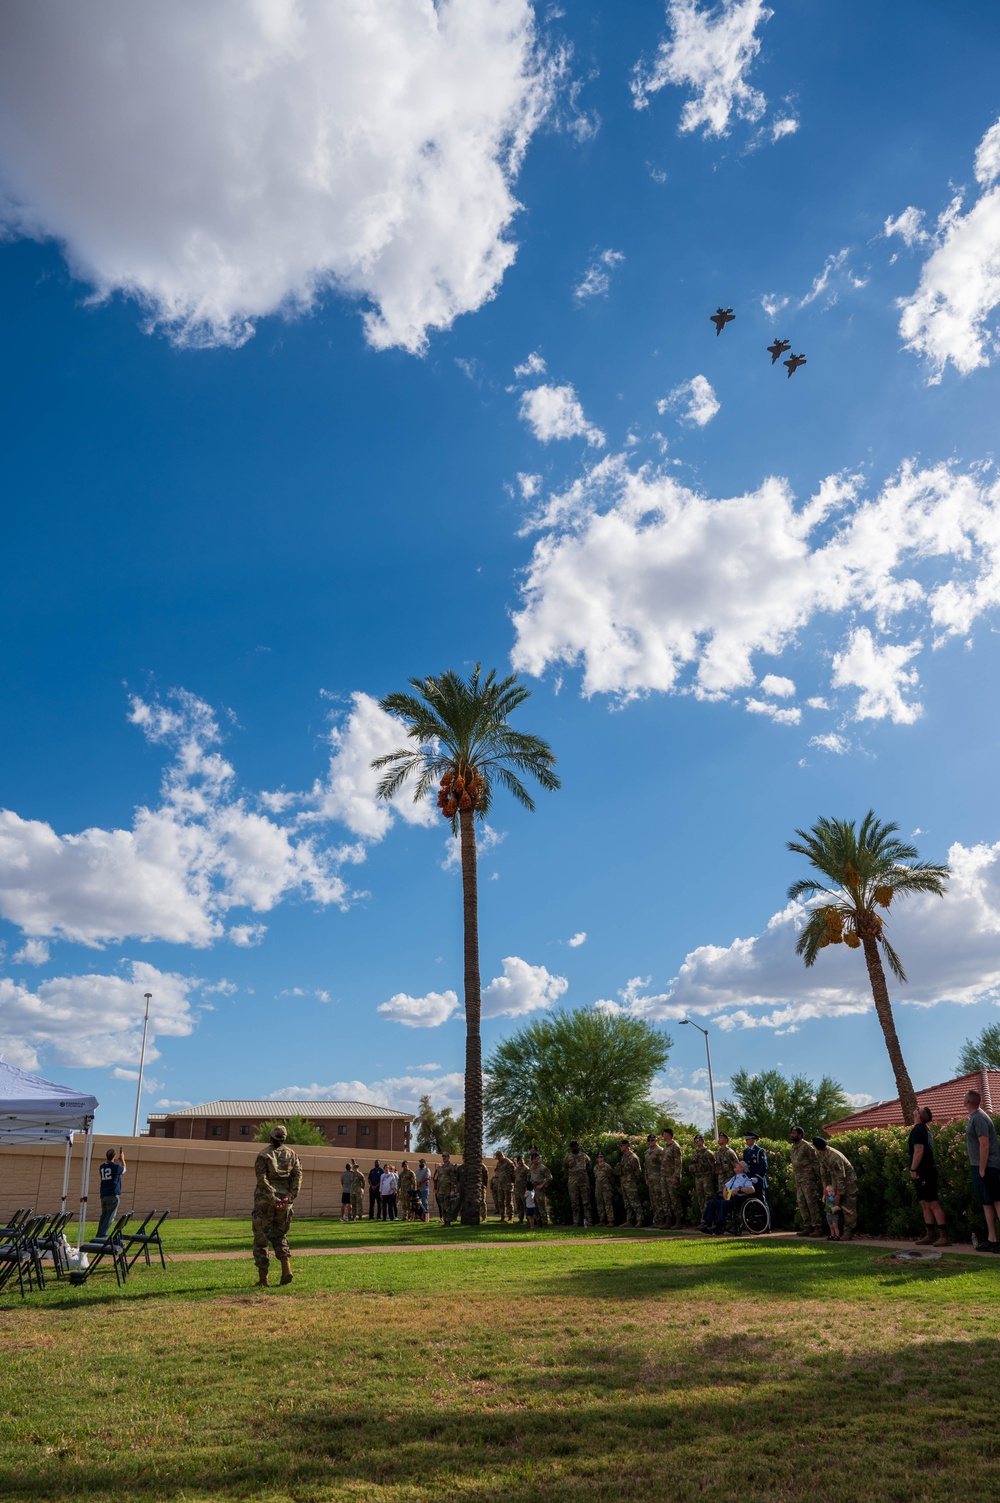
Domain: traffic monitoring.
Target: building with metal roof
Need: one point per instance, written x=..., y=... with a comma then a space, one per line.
x=945, y=1101
x=347, y=1125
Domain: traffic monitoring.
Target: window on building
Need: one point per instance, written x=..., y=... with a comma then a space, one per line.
x=366, y=1132
x=245, y=1130
x=216, y=1131
x=342, y=1130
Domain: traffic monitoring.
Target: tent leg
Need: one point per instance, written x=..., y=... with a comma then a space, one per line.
x=88, y=1148
x=69, y=1154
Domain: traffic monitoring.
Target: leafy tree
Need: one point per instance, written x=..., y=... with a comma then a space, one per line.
x=982, y=1053
x=864, y=869
x=438, y=1132
x=464, y=741
x=770, y=1104
x=573, y=1075
x=299, y=1131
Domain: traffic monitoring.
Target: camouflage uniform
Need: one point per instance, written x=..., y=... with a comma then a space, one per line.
x=279, y=1177
x=725, y=1167
x=407, y=1193
x=448, y=1192
x=505, y=1188
x=604, y=1180
x=576, y=1166
x=671, y=1165
x=540, y=1177
x=482, y=1192
x=653, y=1169
x=838, y=1172
x=629, y=1175
x=358, y=1195
x=495, y=1193
x=703, y=1169
x=520, y=1185
x=808, y=1186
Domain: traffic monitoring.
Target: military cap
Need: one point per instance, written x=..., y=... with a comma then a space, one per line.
x=754, y=1135
x=819, y=1142
x=279, y=1134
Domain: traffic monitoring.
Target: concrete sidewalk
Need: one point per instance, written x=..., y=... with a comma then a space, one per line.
x=962, y=1249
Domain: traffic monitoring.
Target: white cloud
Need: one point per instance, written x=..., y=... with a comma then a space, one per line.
x=420, y=1012
x=402, y=1092
x=165, y=1103
x=780, y=716
x=881, y=674
x=597, y=278
x=950, y=948
x=577, y=939
x=817, y=702
x=909, y=226
x=651, y=586
x=219, y=163
x=773, y=683
x=92, y=1022
x=946, y=318
x=522, y=988
x=348, y=792
x=529, y=485
x=555, y=412
x=246, y=936
x=180, y=869
x=695, y=397
x=32, y=952
x=533, y=366
x=711, y=52
x=487, y=839
x=831, y=742
x=222, y=988
x=786, y=126
x=772, y=304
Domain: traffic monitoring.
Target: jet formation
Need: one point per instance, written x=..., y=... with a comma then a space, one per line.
x=723, y=316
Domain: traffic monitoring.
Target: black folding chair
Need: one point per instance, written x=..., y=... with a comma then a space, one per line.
x=18, y=1219
x=99, y=1249
x=50, y=1241
x=20, y=1256
x=142, y=1240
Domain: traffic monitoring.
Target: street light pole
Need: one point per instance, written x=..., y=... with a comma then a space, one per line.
x=687, y=1022
x=142, y=1061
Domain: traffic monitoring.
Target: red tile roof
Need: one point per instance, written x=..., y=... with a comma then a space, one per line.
x=944, y=1100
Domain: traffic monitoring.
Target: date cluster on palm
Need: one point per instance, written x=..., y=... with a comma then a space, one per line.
x=460, y=791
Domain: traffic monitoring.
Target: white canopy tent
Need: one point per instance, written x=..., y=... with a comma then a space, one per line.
x=33, y=1110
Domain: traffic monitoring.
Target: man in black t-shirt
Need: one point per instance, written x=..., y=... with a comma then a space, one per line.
x=923, y=1173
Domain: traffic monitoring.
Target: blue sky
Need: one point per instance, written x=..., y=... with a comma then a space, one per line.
x=339, y=350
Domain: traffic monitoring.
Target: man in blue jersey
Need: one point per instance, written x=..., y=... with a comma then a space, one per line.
x=110, y=1176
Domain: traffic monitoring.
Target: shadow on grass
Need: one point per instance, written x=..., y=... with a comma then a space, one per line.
x=753, y=1419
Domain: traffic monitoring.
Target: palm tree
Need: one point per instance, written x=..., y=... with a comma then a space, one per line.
x=867, y=869
x=465, y=744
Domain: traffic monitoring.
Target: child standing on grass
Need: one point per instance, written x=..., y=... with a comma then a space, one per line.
x=833, y=1215
x=529, y=1206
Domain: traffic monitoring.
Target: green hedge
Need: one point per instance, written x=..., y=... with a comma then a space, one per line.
x=887, y=1206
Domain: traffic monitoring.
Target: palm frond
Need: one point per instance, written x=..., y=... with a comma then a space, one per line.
x=895, y=964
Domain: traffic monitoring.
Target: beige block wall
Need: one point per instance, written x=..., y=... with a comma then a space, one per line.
x=188, y=1178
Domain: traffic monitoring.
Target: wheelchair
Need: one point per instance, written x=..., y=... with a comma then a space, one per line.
x=750, y=1213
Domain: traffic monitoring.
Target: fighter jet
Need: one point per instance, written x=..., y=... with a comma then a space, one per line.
x=720, y=318
x=777, y=349
x=794, y=364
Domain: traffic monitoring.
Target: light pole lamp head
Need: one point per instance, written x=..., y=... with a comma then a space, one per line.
x=148, y=996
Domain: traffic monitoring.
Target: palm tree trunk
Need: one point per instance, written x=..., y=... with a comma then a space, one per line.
x=473, y=1151
x=883, y=1007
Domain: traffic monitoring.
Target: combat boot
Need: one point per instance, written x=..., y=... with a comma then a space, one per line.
x=943, y=1237
x=928, y=1239
x=286, y=1271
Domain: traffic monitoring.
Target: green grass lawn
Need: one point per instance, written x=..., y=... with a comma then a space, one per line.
x=607, y=1370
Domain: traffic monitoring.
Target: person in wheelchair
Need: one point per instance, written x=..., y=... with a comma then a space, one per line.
x=735, y=1190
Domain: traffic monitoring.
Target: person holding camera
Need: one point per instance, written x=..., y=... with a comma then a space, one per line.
x=110, y=1176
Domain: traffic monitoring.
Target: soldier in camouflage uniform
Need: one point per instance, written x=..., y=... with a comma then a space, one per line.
x=725, y=1163
x=838, y=1173
x=671, y=1166
x=505, y=1187
x=576, y=1164
x=448, y=1189
x=540, y=1177
x=808, y=1185
x=629, y=1175
x=484, y=1182
x=520, y=1185
x=279, y=1179
x=604, y=1183
x=703, y=1169
x=495, y=1193
x=357, y=1194
x=407, y=1191
x=653, y=1170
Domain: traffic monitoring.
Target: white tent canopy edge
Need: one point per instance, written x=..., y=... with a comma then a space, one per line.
x=33, y=1110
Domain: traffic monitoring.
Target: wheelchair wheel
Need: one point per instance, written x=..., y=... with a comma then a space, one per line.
x=756, y=1216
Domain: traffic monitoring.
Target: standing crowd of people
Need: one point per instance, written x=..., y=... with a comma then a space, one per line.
x=826, y=1186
